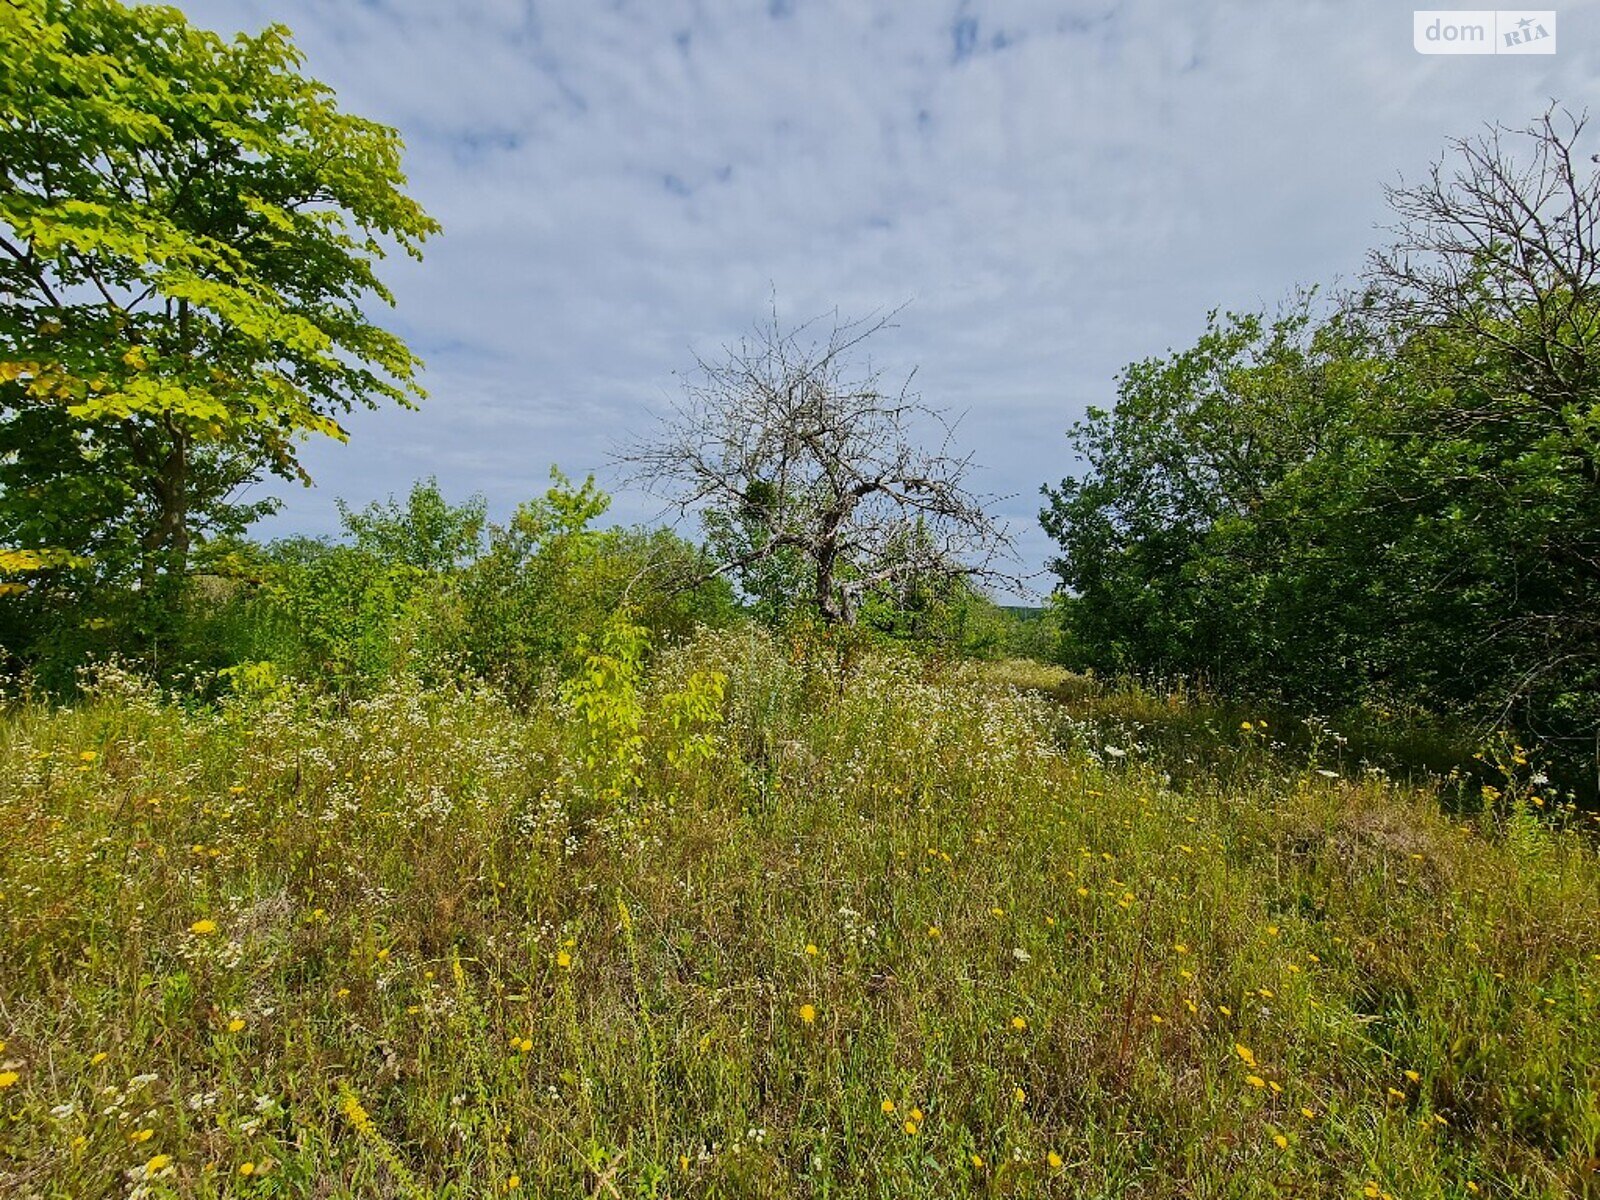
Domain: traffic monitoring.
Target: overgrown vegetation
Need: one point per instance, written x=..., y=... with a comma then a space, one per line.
x=921, y=934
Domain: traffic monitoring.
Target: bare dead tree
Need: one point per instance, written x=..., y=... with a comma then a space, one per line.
x=1502, y=242
x=788, y=435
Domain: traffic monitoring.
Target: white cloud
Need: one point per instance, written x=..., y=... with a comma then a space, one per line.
x=1058, y=188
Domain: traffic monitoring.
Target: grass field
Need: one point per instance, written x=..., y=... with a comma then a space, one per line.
x=927, y=935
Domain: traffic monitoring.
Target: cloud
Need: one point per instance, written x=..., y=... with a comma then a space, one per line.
x=1058, y=189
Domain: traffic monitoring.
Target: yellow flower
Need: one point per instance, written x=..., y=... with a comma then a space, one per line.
x=1225, y=1010
x=1308, y=1113
x=1054, y=1160
x=1280, y=1141
x=1396, y=1094
x=811, y=949
x=1019, y=1023
x=1244, y=1052
x=235, y=1025
x=8, y=1078
x=887, y=1107
x=997, y=911
x=98, y=1058
x=1180, y=948
x=1155, y=1018
x=203, y=927
x=934, y=931
x=159, y=1163
x=1414, y=1077
x=808, y=1014
x=563, y=959
x=911, y=1127
x=1020, y=1096
x=141, y=1135
x=247, y=1168
x=383, y=955
x=88, y=756
x=1255, y=1081
x=977, y=1161
x=513, y=1183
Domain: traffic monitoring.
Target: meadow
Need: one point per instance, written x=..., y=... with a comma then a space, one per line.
x=753, y=922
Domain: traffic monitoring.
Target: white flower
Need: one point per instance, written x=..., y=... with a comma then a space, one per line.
x=1021, y=955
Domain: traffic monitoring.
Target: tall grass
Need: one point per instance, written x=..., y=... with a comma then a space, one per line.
x=915, y=936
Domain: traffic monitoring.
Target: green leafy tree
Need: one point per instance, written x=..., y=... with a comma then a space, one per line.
x=189, y=237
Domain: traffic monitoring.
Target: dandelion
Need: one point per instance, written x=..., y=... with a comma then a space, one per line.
x=1414, y=1077
x=1180, y=947
x=383, y=955
x=159, y=1163
x=1308, y=1113
x=8, y=1079
x=563, y=959
x=977, y=1162
x=935, y=932
x=513, y=1183
x=1246, y=1055
x=1255, y=1081
x=911, y=1128
x=887, y=1107
x=235, y=1025
x=141, y=1135
x=916, y=1115
x=1280, y=1141
x=247, y=1168
x=811, y=949
x=88, y=756
x=1020, y=1096
x=997, y=911
x=1054, y=1160
x=808, y=1014
x=203, y=927
x=1396, y=1094
x=1019, y=1023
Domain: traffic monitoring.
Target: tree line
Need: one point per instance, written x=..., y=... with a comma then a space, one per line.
x=1384, y=496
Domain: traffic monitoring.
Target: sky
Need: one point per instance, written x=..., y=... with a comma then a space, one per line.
x=1053, y=190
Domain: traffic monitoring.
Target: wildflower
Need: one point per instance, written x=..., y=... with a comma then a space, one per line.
x=513, y=1183
x=235, y=1025
x=1225, y=1010
x=247, y=1168
x=1020, y=1096
x=1396, y=1094
x=8, y=1078
x=1245, y=1054
x=563, y=959
x=1414, y=1077
x=159, y=1163
x=141, y=1135
x=203, y=927
x=911, y=1127
x=1180, y=947
x=811, y=949
x=916, y=1115
x=808, y=1014
x=997, y=911
x=383, y=955
x=1280, y=1141
x=977, y=1161
x=1054, y=1160
x=1019, y=1023
x=1155, y=1018
x=88, y=756
x=887, y=1107
x=1255, y=1081
x=1021, y=955
x=934, y=931
x=1308, y=1113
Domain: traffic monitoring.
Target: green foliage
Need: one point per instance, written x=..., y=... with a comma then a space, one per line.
x=189, y=235
x=364, y=948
